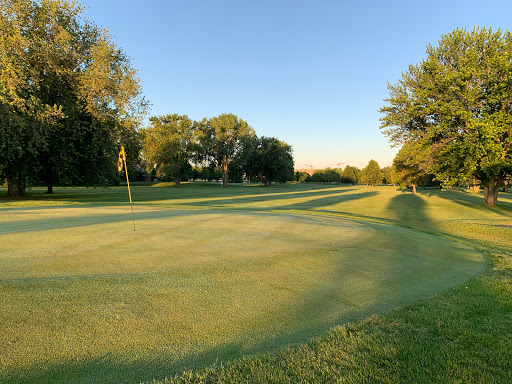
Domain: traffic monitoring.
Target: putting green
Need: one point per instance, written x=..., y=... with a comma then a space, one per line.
x=82, y=293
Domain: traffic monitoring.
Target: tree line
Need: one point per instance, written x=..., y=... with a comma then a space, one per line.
x=172, y=144
x=69, y=97
x=372, y=174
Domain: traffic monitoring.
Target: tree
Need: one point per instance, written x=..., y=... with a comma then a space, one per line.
x=458, y=103
x=240, y=166
x=67, y=95
x=409, y=166
x=222, y=138
x=371, y=174
x=302, y=177
x=271, y=160
x=170, y=145
x=331, y=175
x=359, y=174
x=318, y=176
x=348, y=176
x=386, y=175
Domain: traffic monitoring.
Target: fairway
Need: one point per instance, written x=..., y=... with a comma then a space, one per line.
x=207, y=275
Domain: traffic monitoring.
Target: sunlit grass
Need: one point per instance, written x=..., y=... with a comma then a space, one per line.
x=214, y=274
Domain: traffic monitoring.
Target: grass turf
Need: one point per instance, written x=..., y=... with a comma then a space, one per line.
x=216, y=273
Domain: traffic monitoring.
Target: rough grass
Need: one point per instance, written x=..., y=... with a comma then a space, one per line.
x=213, y=276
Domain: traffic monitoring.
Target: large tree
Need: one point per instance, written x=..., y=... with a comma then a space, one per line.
x=67, y=96
x=222, y=138
x=371, y=174
x=170, y=145
x=271, y=160
x=458, y=103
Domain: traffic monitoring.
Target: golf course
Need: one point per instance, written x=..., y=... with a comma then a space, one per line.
x=289, y=283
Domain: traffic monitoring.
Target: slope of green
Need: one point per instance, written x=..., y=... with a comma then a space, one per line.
x=216, y=274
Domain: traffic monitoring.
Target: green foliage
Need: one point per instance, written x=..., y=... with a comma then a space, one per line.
x=270, y=160
x=348, y=176
x=457, y=102
x=170, y=145
x=386, y=175
x=371, y=174
x=302, y=177
x=409, y=165
x=67, y=96
x=221, y=139
x=209, y=173
x=326, y=175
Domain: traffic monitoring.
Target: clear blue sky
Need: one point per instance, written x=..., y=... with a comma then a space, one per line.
x=311, y=73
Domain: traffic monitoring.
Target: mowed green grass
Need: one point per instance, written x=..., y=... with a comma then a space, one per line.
x=215, y=274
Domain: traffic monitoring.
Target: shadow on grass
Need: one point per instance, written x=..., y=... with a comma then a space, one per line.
x=476, y=201
x=192, y=194
x=321, y=198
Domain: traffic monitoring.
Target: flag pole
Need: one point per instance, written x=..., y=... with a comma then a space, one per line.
x=122, y=155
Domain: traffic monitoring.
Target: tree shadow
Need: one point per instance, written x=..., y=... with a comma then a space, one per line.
x=474, y=201
x=326, y=198
x=195, y=194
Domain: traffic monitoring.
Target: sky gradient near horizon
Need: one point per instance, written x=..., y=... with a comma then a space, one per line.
x=311, y=73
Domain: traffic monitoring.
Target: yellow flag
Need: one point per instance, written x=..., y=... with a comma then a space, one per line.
x=122, y=156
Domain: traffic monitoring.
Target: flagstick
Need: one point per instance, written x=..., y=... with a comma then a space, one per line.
x=129, y=193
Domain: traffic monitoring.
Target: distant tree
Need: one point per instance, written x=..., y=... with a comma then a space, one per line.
x=318, y=176
x=240, y=165
x=222, y=138
x=348, y=176
x=395, y=176
x=330, y=175
x=195, y=173
x=170, y=145
x=302, y=177
x=458, y=102
x=371, y=174
x=210, y=173
x=386, y=175
x=271, y=160
x=359, y=174
x=410, y=166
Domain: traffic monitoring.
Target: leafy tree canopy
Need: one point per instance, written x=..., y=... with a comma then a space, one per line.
x=271, y=160
x=457, y=103
x=221, y=138
x=371, y=174
x=348, y=176
x=170, y=145
x=67, y=96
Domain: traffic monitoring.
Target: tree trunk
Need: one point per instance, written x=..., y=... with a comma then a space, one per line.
x=225, y=174
x=475, y=186
x=414, y=189
x=491, y=191
x=49, y=181
x=15, y=188
x=11, y=190
x=178, y=182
